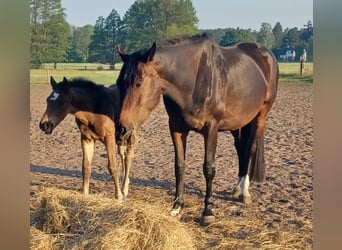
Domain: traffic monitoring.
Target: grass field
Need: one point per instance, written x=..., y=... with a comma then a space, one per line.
x=100, y=73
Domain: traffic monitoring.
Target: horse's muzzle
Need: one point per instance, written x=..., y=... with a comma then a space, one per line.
x=124, y=136
x=46, y=127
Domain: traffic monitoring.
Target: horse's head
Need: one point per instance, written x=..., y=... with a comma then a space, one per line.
x=139, y=88
x=58, y=106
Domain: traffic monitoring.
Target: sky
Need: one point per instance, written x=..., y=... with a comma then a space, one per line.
x=212, y=14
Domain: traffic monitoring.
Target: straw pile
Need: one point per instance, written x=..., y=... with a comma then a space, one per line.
x=69, y=220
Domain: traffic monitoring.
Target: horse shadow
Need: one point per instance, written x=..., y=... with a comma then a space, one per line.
x=98, y=176
x=191, y=189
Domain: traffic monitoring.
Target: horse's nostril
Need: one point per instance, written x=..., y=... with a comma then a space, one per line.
x=42, y=125
x=122, y=130
x=46, y=127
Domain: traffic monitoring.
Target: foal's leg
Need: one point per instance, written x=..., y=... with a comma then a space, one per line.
x=210, y=139
x=112, y=166
x=88, y=153
x=127, y=167
x=179, y=143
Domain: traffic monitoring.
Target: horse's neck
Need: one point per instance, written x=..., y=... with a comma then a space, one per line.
x=82, y=99
x=105, y=102
x=177, y=71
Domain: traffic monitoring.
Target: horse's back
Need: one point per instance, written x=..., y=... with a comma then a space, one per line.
x=267, y=63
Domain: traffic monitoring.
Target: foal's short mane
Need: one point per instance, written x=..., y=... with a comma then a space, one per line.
x=79, y=83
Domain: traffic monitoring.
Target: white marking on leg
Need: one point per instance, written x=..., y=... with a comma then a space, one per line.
x=175, y=211
x=244, y=184
x=238, y=183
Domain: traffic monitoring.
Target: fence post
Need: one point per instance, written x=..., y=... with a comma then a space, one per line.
x=301, y=67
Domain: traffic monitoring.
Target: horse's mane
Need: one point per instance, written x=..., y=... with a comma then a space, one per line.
x=184, y=39
x=79, y=83
x=130, y=68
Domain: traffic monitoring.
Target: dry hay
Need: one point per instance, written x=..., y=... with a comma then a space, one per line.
x=40, y=240
x=254, y=234
x=69, y=220
x=244, y=228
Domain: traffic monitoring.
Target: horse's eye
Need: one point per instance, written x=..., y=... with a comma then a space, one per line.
x=138, y=84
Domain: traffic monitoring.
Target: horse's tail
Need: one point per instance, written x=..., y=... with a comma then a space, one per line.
x=257, y=162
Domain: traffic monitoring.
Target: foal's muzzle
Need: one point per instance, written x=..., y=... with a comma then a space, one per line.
x=47, y=127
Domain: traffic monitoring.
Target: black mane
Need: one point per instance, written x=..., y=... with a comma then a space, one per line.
x=185, y=39
x=79, y=83
x=130, y=67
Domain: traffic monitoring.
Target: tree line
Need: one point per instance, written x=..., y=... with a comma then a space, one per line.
x=54, y=40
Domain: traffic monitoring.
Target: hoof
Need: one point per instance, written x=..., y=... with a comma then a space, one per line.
x=236, y=193
x=175, y=211
x=246, y=199
x=206, y=220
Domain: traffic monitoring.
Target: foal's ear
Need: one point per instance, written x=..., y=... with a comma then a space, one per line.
x=149, y=54
x=122, y=53
x=53, y=82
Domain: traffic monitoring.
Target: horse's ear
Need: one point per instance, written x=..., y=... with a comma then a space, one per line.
x=148, y=56
x=53, y=82
x=65, y=80
x=122, y=53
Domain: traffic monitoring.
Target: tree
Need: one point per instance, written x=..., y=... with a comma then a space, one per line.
x=107, y=34
x=307, y=32
x=113, y=28
x=237, y=35
x=147, y=21
x=97, y=48
x=80, y=40
x=278, y=34
x=290, y=38
x=49, y=32
x=265, y=35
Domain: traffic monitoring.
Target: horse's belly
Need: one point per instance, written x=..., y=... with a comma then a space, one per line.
x=238, y=118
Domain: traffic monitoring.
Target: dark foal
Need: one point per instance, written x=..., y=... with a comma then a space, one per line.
x=96, y=111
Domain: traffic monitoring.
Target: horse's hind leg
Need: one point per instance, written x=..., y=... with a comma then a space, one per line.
x=249, y=143
x=88, y=153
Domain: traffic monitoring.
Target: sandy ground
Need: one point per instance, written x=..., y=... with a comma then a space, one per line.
x=284, y=199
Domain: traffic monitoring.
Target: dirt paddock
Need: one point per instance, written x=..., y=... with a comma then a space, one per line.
x=283, y=202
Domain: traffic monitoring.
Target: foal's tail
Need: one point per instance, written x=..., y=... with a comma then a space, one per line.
x=257, y=164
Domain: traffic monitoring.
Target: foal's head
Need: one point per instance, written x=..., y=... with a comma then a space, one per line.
x=58, y=106
x=139, y=88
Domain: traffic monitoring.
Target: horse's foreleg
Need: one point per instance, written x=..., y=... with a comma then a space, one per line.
x=112, y=165
x=179, y=143
x=210, y=142
x=127, y=167
x=88, y=153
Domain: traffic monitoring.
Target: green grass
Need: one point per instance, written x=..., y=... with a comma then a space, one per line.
x=100, y=73
x=290, y=72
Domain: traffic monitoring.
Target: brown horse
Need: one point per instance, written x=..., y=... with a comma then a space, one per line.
x=206, y=88
x=96, y=110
